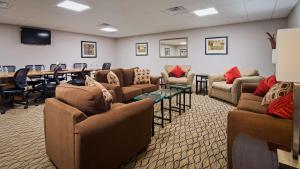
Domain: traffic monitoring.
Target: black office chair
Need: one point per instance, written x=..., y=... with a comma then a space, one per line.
x=36, y=67
x=19, y=89
x=10, y=68
x=61, y=77
x=47, y=89
x=79, y=65
x=106, y=66
x=79, y=80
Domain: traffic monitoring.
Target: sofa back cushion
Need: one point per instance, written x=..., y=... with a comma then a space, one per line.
x=249, y=72
x=128, y=75
x=185, y=68
x=101, y=76
x=142, y=76
x=87, y=99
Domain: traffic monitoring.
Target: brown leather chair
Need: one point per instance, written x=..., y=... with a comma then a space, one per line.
x=78, y=135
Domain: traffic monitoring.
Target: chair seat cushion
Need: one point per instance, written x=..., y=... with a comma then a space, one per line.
x=146, y=88
x=181, y=80
x=251, y=96
x=130, y=92
x=222, y=86
x=251, y=105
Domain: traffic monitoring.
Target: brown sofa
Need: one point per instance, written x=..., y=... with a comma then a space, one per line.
x=250, y=118
x=75, y=140
x=127, y=90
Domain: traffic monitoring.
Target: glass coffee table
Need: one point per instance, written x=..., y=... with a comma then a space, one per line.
x=158, y=97
x=185, y=89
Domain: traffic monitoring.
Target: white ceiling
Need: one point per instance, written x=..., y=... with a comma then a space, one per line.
x=136, y=17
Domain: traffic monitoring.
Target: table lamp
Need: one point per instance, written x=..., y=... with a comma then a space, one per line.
x=288, y=70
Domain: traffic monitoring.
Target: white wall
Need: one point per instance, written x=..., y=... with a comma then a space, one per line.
x=65, y=48
x=294, y=17
x=248, y=48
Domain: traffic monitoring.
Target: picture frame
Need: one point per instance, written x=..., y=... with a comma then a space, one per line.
x=88, y=49
x=216, y=45
x=141, y=49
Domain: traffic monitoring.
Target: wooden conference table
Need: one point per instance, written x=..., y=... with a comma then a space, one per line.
x=43, y=73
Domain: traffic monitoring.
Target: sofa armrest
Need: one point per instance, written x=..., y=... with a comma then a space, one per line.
x=214, y=78
x=249, y=87
x=116, y=89
x=125, y=130
x=190, y=77
x=273, y=130
x=165, y=77
x=237, y=86
x=155, y=80
x=59, y=121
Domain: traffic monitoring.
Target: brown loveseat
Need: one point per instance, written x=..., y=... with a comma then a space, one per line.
x=76, y=139
x=127, y=90
x=250, y=118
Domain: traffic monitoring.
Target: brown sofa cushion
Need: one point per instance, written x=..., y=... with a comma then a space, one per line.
x=130, y=92
x=146, y=88
x=128, y=75
x=251, y=105
x=250, y=96
x=90, y=102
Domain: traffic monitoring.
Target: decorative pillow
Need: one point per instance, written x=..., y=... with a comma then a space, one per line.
x=265, y=85
x=177, y=71
x=232, y=74
x=282, y=107
x=141, y=76
x=278, y=90
x=112, y=78
x=106, y=95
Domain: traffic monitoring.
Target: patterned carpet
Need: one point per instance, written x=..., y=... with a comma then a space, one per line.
x=196, y=139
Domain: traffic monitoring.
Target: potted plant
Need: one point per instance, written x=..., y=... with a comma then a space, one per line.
x=272, y=40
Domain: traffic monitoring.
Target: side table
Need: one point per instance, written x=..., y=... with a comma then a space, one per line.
x=202, y=80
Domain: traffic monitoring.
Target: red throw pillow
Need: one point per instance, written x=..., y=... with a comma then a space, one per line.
x=282, y=107
x=265, y=85
x=232, y=74
x=177, y=71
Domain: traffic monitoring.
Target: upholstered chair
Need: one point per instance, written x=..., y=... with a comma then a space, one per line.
x=188, y=78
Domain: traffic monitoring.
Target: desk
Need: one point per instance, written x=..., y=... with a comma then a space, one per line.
x=44, y=72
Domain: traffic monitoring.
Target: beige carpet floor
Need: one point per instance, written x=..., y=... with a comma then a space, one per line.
x=196, y=139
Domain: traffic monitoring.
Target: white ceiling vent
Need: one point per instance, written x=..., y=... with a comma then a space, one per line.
x=176, y=10
x=4, y=4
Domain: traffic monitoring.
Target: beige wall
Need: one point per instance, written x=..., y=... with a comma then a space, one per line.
x=294, y=17
x=65, y=47
x=248, y=48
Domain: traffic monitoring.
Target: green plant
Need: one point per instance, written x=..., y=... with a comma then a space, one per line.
x=272, y=40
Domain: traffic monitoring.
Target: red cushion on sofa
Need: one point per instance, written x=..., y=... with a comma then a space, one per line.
x=282, y=107
x=232, y=74
x=265, y=85
x=177, y=71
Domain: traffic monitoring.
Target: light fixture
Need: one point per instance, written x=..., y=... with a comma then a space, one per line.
x=205, y=12
x=73, y=6
x=109, y=29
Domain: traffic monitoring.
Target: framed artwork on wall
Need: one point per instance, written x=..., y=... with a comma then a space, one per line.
x=88, y=49
x=141, y=49
x=216, y=46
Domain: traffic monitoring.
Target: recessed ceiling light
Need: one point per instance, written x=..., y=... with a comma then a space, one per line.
x=205, y=12
x=109, y=29
x=73, y=6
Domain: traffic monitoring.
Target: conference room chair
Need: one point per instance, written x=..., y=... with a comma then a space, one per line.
x=62, y=66
x=10, y=68
x=35, y=80
x=18, y=89
x=77, y=66
x=106, y=66
x=36, y=67
x=79, y=80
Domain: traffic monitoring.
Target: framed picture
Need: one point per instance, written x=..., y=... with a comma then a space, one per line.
x=88, y=49
x=216, y=46
x=183, y=52
x=167, y=51
x=141, y=49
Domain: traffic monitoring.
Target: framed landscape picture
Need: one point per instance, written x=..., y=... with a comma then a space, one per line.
x=88, y=49
x=216, y=46
x=141, y=49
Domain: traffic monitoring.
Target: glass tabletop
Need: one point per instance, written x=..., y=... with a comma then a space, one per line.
x=153, y=96
x=180, y=86
x=167, y=93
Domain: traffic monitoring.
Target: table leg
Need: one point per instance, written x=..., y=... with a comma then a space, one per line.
x=170, y=110
x=197, y=92
x=180, y=103
x=162, y=112
x=190, y=98
x=184, y=100
x=201, y=86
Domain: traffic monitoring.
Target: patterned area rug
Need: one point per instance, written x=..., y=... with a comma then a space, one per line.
x=196, y=139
